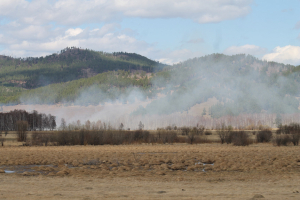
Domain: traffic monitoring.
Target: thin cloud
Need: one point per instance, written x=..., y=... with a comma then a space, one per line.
x=287, y=55
x=195, y=41
x=38, y=28
x=109, y=38
x=246, y=49
x=75, y=12
x=176, y=56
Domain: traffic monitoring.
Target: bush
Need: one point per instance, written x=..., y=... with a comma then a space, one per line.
x=222, y=134
x=229, y=135
x=101, y=137
x=240, y=138
x=22, y=127
x=278, y=131
x=2, y=140
x=185, y=130
x=264, y=136
x=262, y=127
x=201, y=140
x=289, y=129
x=295, y=139
x=164, y=137
x=225, y=133
x=40, y=138
x=282, y=140
x=207, y=133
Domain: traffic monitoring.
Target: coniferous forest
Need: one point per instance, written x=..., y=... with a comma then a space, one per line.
x=240, y=83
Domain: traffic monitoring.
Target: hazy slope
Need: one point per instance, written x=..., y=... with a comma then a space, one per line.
x=240, y=83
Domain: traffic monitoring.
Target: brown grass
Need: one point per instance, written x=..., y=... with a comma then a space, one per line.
x=169, y=158
x=150, y=171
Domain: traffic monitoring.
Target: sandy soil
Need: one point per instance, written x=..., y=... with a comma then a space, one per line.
x=178, y=171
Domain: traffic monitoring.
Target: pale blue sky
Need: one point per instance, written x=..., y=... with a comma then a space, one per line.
x=165, y=30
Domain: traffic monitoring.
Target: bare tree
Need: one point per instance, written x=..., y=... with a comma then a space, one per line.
x=63, y=124
x=185, y=130
x=22, y=127
x=224, y=133
x=78, y=124
x=88, y=125
x=141, y=126
x=121, y=126
x=52, y=122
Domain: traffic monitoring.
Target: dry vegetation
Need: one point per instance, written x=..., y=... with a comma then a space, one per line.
x=174, y=171
x=164, y=164
x=146, y=158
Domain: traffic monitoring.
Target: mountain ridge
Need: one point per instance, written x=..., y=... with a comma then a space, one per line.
x=241, y=83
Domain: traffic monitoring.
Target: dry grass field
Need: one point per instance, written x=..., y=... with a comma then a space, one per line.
x=145, y=171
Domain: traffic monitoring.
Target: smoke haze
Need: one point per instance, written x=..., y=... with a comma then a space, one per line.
x=236, y=90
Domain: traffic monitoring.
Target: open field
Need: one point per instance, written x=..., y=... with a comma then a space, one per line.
x=145, y=171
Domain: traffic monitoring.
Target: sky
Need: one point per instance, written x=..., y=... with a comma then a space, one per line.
x=169, y=31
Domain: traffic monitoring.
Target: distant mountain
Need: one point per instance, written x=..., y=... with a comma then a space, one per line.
x=70, y=64
x=240, y=83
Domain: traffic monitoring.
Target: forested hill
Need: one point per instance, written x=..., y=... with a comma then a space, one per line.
x=241, y=83
x=67, y=65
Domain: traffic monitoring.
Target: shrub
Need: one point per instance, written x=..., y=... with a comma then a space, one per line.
x=289, y=129
x=41, y=138
x=193, y=135
x=22, y=127
x=180, y=140
x=262, y=127
x=101, y=137
x=201, y=139
x=165, y=137
x=264, y=136
x=282, y=140
x=229, y=135
x=278, y=131
x=225, y=134
x=222, y=134
x=207, y=133
x=240, y=138
x=191, y=138
x=185, y=130
x=109, y=136
x=114, y=137
x=295, y=139
x=2, y=140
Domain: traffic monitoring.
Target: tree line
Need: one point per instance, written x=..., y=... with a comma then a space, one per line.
x=33, y=121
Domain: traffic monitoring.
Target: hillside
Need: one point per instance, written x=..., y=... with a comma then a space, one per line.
x=20, y=74
x=70, y=64
x=104, y=87
x=240, y=83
